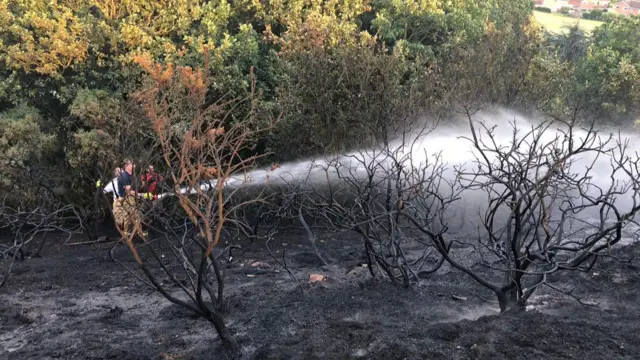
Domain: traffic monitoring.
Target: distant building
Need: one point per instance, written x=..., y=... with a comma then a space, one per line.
x=589, y=5
x=603, y=3
x=626, y=8
x=580, y=7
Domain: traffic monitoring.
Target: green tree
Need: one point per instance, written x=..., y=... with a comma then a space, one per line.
x=608, y=79
x=26, y=160
x=353, y=98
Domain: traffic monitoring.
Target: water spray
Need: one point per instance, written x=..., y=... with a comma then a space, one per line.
x=446, y=142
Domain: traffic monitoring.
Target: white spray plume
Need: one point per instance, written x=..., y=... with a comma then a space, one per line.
x=449, y=140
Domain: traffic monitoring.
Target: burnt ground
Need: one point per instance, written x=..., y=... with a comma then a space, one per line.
x=75, y=303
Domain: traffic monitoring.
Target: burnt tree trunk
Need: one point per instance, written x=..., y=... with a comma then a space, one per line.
x=509, y=299
x=228, y=342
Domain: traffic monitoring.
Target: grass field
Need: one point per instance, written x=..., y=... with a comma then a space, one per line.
x=557, y=22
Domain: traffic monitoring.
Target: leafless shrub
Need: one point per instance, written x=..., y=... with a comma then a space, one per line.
x=25, y=227
x=367, y=192
x=556, y=197
x=551, y=197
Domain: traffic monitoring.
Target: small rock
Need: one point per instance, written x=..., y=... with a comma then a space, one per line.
x=460, y=298
x=114, y=313
x=618, y=279
x=317, y=278
x=359, y=353
x=259, y=264
x=14, y=316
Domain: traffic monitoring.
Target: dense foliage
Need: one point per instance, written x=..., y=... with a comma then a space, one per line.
x=340, y=71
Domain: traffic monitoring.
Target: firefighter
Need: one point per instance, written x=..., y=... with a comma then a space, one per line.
x=112, y=186
x=150, y=181
x=125, y=207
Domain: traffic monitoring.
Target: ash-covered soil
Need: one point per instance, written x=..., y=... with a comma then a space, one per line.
x=75, y=303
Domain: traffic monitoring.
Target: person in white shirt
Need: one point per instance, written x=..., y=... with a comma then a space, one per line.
x=112, y=186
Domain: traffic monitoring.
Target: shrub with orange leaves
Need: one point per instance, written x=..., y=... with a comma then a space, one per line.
x=216, y=131
x=159, y=73
x=193, y=81
x=160, y=125
x=211, y=173
x=197, y=143
x=212, y=133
